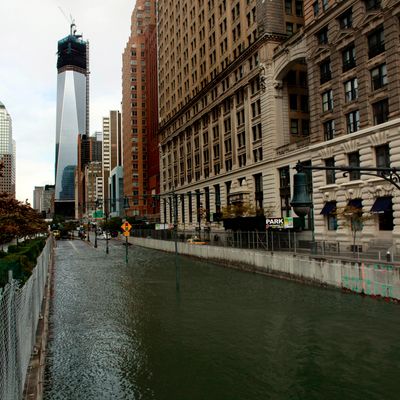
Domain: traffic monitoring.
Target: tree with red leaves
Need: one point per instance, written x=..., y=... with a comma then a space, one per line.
x=18, y=219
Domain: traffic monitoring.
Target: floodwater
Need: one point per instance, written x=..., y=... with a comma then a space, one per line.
x=123, y=331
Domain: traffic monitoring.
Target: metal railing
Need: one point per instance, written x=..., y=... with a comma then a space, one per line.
x=20, y=309
x=271, y=240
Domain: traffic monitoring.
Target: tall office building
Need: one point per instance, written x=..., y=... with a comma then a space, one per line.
x=139, y=107
x=89, y=150
x=213, y=59
x=248, y=88
x=112, y=151
x=72, y=116
x=43, y=200
x=7, y=153
x=37, y=198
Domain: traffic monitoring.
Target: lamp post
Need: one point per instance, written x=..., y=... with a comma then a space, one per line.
x=301, y=202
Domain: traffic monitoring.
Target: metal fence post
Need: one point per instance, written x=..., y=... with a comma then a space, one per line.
x=272, y=240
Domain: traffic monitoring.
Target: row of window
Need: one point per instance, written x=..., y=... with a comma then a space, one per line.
x=380, y=113
x=382, y=158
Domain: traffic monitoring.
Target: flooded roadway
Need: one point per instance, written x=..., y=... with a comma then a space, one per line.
x=123, y=332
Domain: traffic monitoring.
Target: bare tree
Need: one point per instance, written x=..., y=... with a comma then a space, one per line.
x=353, y=218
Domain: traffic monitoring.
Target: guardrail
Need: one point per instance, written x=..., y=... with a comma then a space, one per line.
x=270, y=240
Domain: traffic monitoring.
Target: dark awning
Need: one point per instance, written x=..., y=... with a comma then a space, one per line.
x=356, y=203
x=382, y=204
x=328, y=208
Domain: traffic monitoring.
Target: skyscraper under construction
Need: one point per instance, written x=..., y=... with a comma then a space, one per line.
x=72, y=115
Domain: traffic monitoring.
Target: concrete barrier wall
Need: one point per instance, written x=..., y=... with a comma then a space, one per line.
x=374, y=279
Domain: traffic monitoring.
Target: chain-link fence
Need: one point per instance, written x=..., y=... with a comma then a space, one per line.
x=20, y=309
x=274, y=240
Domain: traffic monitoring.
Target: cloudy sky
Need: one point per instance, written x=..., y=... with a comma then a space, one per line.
x=29, y=31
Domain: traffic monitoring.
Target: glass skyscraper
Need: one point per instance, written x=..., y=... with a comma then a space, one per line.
x=72, y=116
x=7, y=153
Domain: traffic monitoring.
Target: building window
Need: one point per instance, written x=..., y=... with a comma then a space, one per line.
x=316, y=8
x=258, y=185
x=382, y=156
x=353, y=121
x=376, y=42
x=257, y=154
x=257, y=132
x=241, y=139
x=322, y=36
x=379, y=77
x=242, y=160
x=228, y=165
x=380, y=111
x=332, y=222
x=371, y=5
x=354, y=161
x=383, y=207
x=216, y=151
x=325, y=71
x=288, y=7
x=228, y=191
x=349, y=58
x=299, y=8
x=293, y=102
x=351, y=90
x=327, y=101
x=325, y=4
x=190, y=206
x=329, y=211
x=305, y=127
x=284, y=191
x=294, y=126
x=329, y=129
x=217, y=198
x=256, y=108
x=346, y=19
x=330, y=174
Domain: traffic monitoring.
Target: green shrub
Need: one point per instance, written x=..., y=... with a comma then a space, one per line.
x=20, y=259
x=19, y=265
x=13, y=248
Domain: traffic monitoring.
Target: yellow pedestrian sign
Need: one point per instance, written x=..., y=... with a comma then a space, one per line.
x=125, y=233
x=126, y=226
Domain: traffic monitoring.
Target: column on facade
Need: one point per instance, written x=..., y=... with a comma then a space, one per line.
x=369, y=225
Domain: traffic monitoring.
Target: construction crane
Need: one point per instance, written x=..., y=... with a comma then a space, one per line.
x=71, y=21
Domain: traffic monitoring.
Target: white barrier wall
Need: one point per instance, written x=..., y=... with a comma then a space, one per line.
x=375, y=279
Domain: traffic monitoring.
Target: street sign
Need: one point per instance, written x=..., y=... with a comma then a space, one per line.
x=126, y=226
x=125, y=233
x=98, y=214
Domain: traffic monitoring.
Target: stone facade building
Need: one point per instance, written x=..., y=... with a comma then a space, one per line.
x=249, y=88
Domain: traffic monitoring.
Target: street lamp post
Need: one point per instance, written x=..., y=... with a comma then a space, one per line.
x=301, y=202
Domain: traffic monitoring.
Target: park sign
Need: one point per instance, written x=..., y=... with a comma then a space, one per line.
x=279, y=223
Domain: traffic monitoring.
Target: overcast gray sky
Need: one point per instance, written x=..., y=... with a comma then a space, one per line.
x=29, y=31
